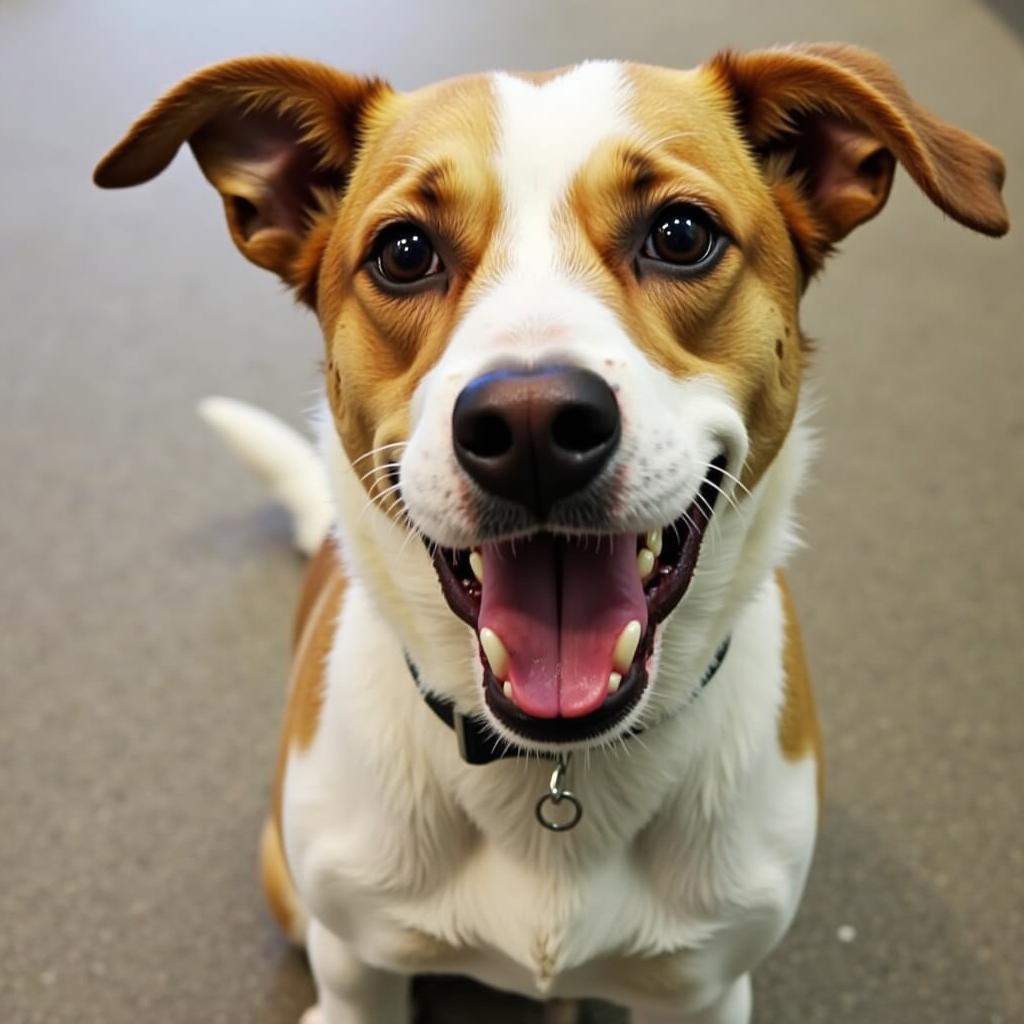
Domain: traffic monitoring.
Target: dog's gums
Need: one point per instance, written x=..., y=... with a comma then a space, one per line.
x=566, y=623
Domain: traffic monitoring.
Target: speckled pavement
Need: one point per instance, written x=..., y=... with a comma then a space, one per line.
x=147, y=583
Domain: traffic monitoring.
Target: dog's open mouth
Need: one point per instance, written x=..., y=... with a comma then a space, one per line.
x=566, y=624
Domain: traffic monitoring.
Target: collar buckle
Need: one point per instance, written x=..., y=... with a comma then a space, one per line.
x=459, y=727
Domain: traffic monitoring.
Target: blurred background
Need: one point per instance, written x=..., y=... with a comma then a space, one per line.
x=147, y=584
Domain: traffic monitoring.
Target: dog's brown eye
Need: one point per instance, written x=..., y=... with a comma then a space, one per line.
x=683, y=236
x=404, y=255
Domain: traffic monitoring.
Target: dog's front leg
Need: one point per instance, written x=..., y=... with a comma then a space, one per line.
x=350, y=991
x=734, y=1006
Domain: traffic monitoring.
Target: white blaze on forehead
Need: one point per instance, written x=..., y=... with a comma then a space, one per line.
x=546, y=135
x=536, y=312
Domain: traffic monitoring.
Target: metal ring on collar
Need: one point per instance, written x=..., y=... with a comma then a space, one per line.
x=555, y=795
x=553, y=825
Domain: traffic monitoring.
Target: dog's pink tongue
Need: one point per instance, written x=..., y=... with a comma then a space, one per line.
x=560, y=667
x=520, y=603
x=601, y=593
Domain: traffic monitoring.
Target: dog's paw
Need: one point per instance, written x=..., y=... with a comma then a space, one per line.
x=314, y=1015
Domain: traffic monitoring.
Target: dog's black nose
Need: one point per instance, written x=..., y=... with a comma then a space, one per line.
x=534, y=437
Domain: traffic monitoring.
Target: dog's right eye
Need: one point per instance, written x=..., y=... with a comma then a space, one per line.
x=683, y=241
x=403, y=255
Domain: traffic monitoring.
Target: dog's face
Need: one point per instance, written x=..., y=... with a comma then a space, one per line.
x=561, y=316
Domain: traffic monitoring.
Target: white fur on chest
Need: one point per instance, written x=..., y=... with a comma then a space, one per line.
x=687, y=867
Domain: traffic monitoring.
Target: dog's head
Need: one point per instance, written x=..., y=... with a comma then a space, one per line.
x=561, y=323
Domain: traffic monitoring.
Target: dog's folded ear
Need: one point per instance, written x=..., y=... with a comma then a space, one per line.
x=275, y=136
x=829, y=122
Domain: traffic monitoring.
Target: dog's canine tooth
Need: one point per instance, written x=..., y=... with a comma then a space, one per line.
x=645, y=562
x=652, y=540
x=476, y=563
x=625, y=646
x=506, y=688
x=614, y=681
x=496, y=652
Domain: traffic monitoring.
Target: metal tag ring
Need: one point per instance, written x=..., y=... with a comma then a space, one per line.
x=556, y=798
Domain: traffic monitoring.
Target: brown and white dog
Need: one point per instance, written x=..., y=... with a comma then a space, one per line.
x=563, y=349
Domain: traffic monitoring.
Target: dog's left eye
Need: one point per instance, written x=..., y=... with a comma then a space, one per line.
x=683, y=236
x=404, y=255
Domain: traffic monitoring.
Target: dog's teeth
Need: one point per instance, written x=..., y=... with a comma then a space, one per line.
x=625, y=646
x=497, y=655
x=506, y=688
x=652, y=540
x=645, y=562
x=476, y=563
x=614, y=681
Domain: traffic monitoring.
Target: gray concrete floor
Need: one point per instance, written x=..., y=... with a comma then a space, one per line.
x=147, y=583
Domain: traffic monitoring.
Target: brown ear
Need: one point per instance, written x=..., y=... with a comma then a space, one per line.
x=275, y=137
x=831, y=120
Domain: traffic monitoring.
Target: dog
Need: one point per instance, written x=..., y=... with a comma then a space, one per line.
x=549, y=723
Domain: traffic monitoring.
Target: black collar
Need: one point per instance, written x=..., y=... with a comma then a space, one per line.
x=477, y=741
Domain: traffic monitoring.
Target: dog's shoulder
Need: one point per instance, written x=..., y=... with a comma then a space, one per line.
x=316, y=616
x=799, y=732
x=323, y=573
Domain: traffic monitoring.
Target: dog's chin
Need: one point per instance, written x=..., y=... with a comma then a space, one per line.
x=535, y=708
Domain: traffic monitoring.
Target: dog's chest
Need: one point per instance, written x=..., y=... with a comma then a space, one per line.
x=427, y=867
x=622, y=928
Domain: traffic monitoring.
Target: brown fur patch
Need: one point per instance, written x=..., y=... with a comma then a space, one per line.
x=319, y=571
x=278, y=888
x=425, y=157
x=799, y=733
x=319, y=605
x=722, y=324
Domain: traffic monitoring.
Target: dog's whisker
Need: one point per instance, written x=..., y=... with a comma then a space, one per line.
x=396, y=503
x=376, y=451
x=735, y=479
x=725, y=497
x=689, y=522
x=637, y=741
x=716, y=528
x=411, y=531
x=728, y=498
x=377, y=499
x=382, y=469
x=739, y=485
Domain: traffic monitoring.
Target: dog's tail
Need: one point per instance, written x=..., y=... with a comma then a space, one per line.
x=285, y=459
